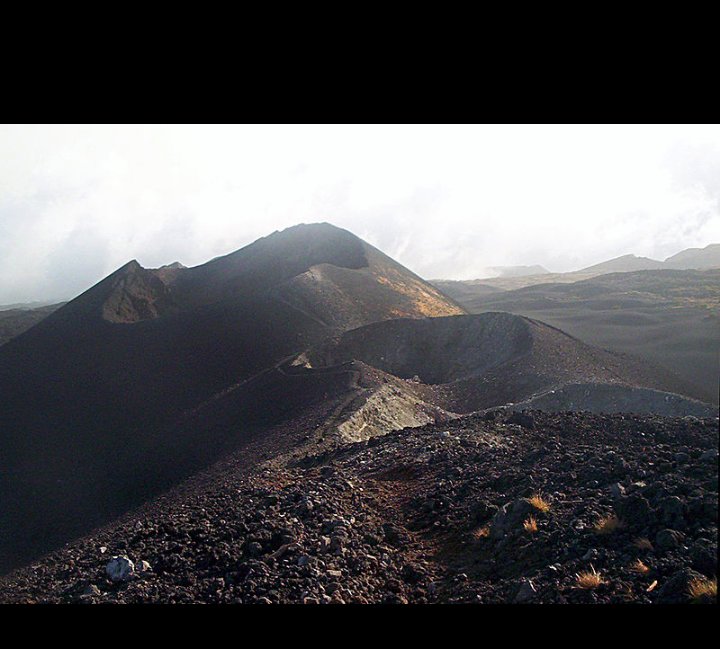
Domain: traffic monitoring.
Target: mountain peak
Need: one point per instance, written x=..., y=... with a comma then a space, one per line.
x=699, y=258
x=317, y=268
x=624, y=263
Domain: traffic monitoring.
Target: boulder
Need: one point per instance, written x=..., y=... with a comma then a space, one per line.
x=703, y=555
x=142, y=567
x=672, y=512
x=668, y=539
x=675, y=590
x=120, y=568
x=633, y=510
x=526, y=593
x=510, y=518
x=522, y=419
x=710, y=456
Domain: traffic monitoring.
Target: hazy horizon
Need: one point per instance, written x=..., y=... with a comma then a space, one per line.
x=449, y=202
x=495, y=272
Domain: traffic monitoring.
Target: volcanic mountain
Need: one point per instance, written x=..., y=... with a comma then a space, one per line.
x=463, y=364
x=307, y=339
x=95, y=395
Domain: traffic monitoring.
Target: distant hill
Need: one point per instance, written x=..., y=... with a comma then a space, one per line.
x=26, y=306
x=519, y=271
x=670, y=318
x=13, y=322
x=700, y=258
x=624, y=264
x=690, y=259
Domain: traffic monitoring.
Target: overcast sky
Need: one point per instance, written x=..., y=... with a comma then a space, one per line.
x=447, y=201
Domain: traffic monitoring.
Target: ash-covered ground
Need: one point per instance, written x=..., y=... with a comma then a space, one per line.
x=627, y=513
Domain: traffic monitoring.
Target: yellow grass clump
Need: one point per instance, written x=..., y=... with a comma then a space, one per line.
x=530, y=525
x=482, y=532
x=608, y=524
x=539, y=503
x=702, y=587
x=640, y=567
x=588, y=579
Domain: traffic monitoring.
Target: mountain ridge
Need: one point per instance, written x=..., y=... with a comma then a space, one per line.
x=666, y=317
x=92, y=391
x=688, y=259
x=143, y=380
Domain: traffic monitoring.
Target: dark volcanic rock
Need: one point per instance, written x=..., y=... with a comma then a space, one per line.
x=522, y=419
x=633, y=510
x=668, y=539
x=672, y=512
x=704, y=557
x=510, y=517
x=430, y=517
x=675, y=590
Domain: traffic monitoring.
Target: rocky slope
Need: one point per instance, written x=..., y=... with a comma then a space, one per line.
x=627, y=514
x=480, y=361
x=609, y=398
x=670, y=318
x=96, y=397
x=155, y=374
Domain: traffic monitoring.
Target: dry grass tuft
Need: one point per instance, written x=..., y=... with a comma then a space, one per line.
x=588, y=579
x=640, y=567
x=530, y=525
x=702, y=587
x=539, y=503
x=642, y=543
x=608, y=524
x=482, y=532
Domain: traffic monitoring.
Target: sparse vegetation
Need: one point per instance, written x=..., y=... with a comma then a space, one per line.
x=530, y=525
x=490, y=539
x=539, y=503
x=589, y=579
x=640, y=567
x=334, y=478
x=482, y=532
x=642, y=543
x=702, y=588
x=608, y=524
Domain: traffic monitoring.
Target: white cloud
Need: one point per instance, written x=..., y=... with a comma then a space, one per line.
x=448, y=201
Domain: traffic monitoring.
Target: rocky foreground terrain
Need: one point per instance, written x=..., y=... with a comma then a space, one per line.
x=153, y=375
x=491, y=508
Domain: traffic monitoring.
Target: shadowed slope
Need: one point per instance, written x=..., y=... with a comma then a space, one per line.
x=93, y=394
